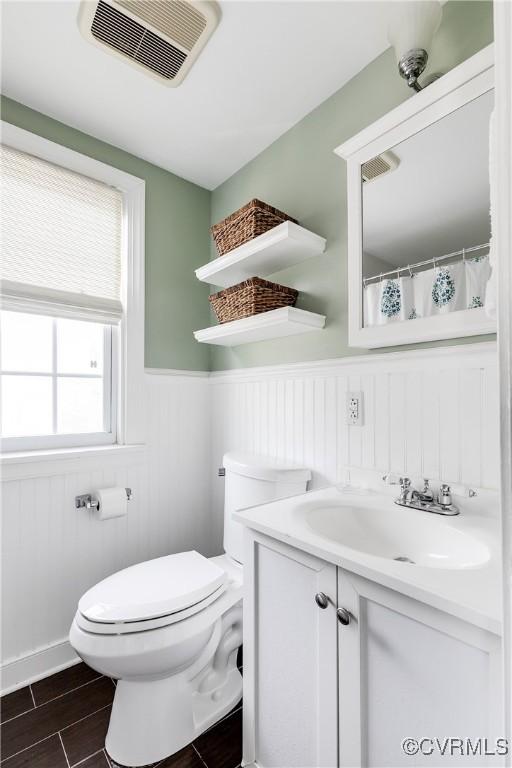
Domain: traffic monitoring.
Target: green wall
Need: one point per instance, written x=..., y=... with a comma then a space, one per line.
x=300, y=174
x=177, y=242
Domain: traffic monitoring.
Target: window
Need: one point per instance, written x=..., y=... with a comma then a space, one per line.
x=56, y=380
x=61, y=318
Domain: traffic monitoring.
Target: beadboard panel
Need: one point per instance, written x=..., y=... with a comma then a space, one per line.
x=426, y=414
x=52, y=552
x=432, y=413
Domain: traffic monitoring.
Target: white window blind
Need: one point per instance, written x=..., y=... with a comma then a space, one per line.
x=61, y=240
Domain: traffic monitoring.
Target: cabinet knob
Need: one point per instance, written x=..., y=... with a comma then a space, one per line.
x=343, y=616
x=321, y=600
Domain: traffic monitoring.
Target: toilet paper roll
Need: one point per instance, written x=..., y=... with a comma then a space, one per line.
x=113, y=502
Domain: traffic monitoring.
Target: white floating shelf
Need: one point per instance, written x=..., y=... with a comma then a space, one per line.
x=280, y=247
x=287, y=321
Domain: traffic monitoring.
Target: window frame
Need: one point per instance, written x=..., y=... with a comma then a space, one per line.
x=127, y=361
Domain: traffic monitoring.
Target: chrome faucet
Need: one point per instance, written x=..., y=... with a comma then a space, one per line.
x=424, y=499
x=425, y=494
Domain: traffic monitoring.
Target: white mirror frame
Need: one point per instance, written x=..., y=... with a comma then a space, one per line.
x=466, y=82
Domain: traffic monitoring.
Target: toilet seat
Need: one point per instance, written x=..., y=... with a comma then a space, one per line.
x=129, y=627
x=151, y=594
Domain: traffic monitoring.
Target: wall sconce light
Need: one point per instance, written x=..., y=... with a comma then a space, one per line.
x=411, y=29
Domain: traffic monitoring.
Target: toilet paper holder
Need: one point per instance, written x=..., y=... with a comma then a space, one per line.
x=88, y=501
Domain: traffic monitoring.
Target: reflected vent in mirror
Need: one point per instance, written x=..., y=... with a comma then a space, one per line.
x=378, y=166
x=161, y=37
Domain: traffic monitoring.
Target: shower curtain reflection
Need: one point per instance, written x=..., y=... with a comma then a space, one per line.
x=435, y=291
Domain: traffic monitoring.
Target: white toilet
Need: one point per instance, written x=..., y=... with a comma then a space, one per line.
x=169, y=629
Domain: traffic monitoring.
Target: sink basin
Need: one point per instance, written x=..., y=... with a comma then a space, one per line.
x=404, y=535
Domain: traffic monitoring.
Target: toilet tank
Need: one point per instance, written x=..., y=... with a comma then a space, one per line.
x=251, y=480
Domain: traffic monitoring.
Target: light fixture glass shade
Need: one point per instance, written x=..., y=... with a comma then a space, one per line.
x=413, y=24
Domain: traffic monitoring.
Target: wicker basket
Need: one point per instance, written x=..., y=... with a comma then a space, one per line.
x=251, y=297
x=252, y=220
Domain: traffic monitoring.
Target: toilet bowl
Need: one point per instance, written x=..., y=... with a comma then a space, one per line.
x=176, y=671
x=168, y=630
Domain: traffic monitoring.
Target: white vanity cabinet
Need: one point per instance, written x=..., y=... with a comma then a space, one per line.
x=409, y=670
x=318, y=692
x=290, y=657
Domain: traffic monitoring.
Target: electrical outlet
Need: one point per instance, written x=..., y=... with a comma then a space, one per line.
x=355, y=409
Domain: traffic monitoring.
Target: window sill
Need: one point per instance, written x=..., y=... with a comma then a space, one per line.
x=17, y=465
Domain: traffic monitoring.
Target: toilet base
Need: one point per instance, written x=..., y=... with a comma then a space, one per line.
x=174, y=681
x=154, y=719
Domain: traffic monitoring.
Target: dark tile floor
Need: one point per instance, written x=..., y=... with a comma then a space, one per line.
x=61, y=722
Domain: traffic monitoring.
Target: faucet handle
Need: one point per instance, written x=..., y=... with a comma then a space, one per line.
x=445, y=495
x=426, y=485
x=405, y=483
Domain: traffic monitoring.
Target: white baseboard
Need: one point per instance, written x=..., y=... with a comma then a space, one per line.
x=16, y=673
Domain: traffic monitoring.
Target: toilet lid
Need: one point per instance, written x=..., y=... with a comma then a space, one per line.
x=151, y=589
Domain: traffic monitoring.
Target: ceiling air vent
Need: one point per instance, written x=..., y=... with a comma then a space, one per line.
x=378, y=166
x=161, y=37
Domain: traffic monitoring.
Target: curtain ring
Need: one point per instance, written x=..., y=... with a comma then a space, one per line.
x=410, y=270
x=463, y=254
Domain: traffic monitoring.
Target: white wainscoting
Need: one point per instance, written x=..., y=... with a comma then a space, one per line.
x=52, y=553
x=428, y=413
x=431, y=412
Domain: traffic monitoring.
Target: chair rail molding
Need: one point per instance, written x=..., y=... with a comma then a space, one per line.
x=452, y=356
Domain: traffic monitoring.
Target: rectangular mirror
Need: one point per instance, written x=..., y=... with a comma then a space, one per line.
x=426, y=220
x=419, y=219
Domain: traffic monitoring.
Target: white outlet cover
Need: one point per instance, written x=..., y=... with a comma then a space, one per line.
x=355, y=409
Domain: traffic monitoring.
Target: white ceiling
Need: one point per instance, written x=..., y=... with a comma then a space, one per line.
x=267, y=65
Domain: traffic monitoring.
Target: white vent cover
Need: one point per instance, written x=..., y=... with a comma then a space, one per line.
x=378, y=166
x=161, y=37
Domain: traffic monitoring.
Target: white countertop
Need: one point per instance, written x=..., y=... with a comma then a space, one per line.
x=472, y=594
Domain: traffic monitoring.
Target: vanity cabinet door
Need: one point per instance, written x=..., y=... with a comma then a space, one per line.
x=290, y=657
x=409, y=670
